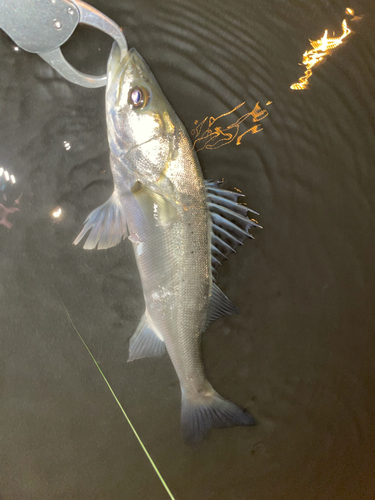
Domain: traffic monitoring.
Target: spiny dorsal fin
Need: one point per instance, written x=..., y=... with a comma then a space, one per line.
x=230, y=222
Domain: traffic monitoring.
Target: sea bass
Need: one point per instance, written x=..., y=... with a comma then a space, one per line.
x=181, y=228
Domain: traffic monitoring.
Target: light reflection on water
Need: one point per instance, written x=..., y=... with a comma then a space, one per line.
x=207, y=136
x=320, y=50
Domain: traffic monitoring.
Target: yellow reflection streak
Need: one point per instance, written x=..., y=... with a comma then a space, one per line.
x=320, y=50
x=207, y=137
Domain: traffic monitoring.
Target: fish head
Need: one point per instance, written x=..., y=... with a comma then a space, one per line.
x=141, y=122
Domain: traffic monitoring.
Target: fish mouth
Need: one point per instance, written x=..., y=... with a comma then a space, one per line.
x=117, y=67
x=123, y=72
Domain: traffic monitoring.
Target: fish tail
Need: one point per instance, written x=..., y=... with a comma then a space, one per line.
x=209, y=410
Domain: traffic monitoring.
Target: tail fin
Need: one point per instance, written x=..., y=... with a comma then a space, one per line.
x=208, y=411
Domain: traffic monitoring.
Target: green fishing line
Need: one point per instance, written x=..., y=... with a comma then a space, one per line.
x=121, y=408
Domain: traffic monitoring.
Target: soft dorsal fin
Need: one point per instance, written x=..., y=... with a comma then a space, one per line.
x=145, y=342
x=230, y=222
x=219, y=305
x=107, y=224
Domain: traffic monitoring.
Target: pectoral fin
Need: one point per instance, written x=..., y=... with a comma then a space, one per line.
x=107, y=224
x=145, y=342
x=155, y=206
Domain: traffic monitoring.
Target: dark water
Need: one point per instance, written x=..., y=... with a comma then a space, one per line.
x=300, y=356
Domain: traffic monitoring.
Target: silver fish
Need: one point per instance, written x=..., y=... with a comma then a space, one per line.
x=181, y=228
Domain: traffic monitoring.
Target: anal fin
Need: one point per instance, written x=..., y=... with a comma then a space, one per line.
x=145, y=342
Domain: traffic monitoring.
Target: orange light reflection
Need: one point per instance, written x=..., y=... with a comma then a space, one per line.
x=320, y=50
x=207, y=137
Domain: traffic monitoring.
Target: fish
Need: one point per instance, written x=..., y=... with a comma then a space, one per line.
x=181, y=228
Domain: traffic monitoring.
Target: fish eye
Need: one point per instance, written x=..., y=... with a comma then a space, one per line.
x=138, y=97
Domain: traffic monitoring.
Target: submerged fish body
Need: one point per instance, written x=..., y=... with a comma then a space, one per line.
x=181, y=227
